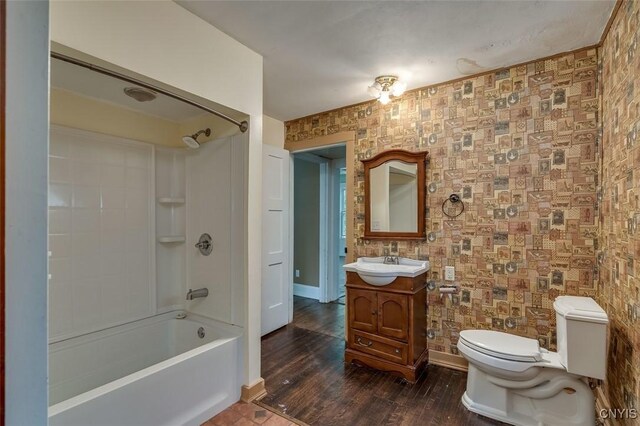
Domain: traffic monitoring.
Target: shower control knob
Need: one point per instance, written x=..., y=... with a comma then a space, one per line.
x=204, y=244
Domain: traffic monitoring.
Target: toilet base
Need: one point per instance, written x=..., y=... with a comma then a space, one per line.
x=553, y=398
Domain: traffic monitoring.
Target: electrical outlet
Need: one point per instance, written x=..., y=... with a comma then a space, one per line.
x=297, y=273
x=449, y=273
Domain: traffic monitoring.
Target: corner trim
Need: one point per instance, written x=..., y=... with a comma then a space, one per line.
x=257, y=390
x=443, y=359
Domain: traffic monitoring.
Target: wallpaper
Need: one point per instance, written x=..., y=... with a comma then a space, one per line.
x=519, y=147
x=620, y=214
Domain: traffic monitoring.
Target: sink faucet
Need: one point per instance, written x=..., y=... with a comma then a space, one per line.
x=193, y=294
x=391, y=260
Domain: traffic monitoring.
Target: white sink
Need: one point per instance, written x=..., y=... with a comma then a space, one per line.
x=374, y=271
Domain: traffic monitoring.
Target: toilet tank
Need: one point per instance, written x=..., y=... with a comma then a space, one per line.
x=582, y=335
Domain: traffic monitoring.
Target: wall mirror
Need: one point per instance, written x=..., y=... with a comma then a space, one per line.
x=394, y=183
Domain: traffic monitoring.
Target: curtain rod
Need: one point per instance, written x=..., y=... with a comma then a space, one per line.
x=243, y=125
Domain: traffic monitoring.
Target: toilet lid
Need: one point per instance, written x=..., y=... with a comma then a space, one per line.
x=502, y=345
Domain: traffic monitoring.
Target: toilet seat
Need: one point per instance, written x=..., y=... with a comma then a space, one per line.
x=502, y=345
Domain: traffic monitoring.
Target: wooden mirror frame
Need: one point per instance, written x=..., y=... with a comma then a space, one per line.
x=418, y=158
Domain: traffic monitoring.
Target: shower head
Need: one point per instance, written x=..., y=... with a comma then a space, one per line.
x=192, y=140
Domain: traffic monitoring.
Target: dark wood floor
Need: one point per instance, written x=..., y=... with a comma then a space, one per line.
x=306, y=378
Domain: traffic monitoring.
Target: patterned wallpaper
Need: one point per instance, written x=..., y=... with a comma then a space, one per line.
x=519, y=146
x=620, y=214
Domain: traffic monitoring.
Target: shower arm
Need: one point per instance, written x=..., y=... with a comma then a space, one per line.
x=205, y=132
x=242, y=125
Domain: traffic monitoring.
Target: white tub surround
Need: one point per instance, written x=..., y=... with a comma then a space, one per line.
x=156, y=371
x=101, y=231
x=124, y=219
x=215, y=202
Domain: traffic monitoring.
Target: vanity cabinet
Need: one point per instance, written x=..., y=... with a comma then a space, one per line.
x=386, y=326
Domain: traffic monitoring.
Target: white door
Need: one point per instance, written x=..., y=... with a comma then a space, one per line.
x=276, y=270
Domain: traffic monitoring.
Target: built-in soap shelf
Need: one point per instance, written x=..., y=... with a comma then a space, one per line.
x=171, y=228
x=171, y=200
x=172, y=239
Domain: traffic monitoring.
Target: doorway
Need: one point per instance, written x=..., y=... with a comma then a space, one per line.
x=319, y=217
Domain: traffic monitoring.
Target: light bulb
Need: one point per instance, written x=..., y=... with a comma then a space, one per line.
x=398, y=88
x=384, y=97
x=373, y=91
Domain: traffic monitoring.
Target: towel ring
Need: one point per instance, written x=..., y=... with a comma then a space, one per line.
x=453, y=199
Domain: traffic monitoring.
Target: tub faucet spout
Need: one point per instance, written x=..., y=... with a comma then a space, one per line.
x=193, y=294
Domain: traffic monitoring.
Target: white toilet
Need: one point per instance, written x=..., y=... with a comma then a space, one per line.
x=513, y=380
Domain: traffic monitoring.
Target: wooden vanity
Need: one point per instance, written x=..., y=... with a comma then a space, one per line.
x=386, y=326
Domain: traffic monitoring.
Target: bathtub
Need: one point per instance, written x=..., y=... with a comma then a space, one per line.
x=156, y=371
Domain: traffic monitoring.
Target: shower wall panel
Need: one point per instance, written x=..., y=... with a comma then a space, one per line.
x=101, y=228
x=215, y=198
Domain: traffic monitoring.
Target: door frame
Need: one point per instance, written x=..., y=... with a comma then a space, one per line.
x=346, y=139
x=332, y=213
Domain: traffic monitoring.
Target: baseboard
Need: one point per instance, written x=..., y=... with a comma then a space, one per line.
x=254, y=391
x=308, y=291
x=455, y=362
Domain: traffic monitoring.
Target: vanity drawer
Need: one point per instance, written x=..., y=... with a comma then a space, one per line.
x=379, y=346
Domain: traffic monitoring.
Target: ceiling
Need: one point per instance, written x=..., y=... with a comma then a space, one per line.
x=321, y=55
x=89, y=83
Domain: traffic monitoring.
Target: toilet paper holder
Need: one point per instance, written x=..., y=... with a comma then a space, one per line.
x=448, y=289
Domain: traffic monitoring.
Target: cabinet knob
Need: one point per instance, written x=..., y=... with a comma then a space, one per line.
x=397, y=351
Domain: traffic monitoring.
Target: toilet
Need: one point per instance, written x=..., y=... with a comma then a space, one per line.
x=514, y=380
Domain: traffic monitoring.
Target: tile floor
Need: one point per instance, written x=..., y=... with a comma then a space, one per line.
x=243, y=414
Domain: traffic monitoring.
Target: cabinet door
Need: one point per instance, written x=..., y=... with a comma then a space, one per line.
x=362, y=310
x=393, y=315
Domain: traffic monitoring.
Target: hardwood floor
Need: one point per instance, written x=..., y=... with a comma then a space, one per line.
x=306, y=378
x=325, y=318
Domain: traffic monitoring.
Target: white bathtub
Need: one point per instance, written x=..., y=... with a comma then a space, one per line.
x=156, y=371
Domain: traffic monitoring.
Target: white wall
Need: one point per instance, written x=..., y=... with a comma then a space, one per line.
x=273, y=132
x=27, y=136
x=165, y=43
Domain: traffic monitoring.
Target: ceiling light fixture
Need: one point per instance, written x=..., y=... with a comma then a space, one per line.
x=140, y=94
x=386, y=86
